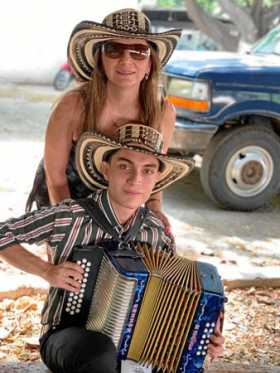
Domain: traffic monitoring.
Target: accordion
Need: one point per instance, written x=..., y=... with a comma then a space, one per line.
x=159, y=309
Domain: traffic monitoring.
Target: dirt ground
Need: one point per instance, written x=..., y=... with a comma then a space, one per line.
x=243, y=246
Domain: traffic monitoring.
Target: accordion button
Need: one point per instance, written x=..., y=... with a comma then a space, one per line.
x=211, y=330
x=204, y=336
x=68, y=304
x=207, y=341
x=79, y=305
x=213, y=324
x=203, y=353
x=71, y=294
x=79, y=262
x=86, y=274
x=85, y=280
x=84, y=260
x=205, y=347
x=72, y=313
x=78, y=311
x=80, y=300
x=83, y=266
x=207, y=324
x=198, y=353
x=200, y=347
x=67, y=309
x=87, y=269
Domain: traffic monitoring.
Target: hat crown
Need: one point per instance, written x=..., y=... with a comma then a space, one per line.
x=128, y=20
x=140, y=137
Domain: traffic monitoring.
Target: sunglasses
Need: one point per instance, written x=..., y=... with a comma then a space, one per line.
x=115, y=50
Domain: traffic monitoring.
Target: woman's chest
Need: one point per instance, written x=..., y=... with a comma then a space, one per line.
x=109, y=122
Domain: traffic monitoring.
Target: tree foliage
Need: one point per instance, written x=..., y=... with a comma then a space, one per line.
x=248, y=19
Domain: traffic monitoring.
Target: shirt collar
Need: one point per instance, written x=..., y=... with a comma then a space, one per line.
x=106, y=206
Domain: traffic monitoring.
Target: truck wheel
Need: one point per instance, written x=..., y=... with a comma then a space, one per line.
x=241, y=168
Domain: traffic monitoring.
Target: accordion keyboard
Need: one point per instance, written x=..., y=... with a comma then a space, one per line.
x=112, y=301
x=74, y=301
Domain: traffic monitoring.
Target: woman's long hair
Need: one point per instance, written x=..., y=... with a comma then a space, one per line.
x=151, y=102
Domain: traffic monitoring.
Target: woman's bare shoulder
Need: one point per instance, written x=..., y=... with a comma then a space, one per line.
x=67, y=117
x=68, y=113
x=70, y=101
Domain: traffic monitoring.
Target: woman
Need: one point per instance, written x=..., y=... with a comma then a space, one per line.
x=119, y=61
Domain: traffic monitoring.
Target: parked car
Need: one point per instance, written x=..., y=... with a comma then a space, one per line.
x=228, y=111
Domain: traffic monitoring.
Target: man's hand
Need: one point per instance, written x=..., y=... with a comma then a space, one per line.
x=66, y=275
x=216, y=345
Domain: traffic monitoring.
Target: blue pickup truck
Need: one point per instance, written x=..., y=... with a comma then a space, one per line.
x=228, y=111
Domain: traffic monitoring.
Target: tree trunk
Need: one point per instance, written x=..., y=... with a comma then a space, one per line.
x=242, y=19
x=211, y=26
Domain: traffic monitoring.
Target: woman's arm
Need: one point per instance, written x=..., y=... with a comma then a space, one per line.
x=168, y=124
x=64, y=126
x=167, y=127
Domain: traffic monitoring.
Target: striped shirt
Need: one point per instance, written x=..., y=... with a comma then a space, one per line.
x=68, y=225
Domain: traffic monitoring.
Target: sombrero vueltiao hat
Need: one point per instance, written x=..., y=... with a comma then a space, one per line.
x=124, y=23
x=92, y=147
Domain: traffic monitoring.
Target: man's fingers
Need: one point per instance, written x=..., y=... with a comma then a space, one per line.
x=67, y=276
x=73, y=266
x=217, y=340
x=215, y=351
x=69, y=273
x=73, y=284
x=219, y=324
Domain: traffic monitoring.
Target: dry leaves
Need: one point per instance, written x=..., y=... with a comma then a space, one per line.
x=251, y=328
x=19, y=325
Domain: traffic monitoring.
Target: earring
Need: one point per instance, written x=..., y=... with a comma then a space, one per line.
x=146, y=76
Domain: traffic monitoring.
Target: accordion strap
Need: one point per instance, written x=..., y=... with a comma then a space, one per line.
x=93, y=209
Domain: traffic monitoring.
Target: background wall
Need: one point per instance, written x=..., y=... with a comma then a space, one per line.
x=34, y=34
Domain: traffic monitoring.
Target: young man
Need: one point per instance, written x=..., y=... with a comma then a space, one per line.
x=127, y=172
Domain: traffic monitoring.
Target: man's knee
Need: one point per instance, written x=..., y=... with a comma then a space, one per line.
x=99, y=356
x=104, y=363
x=80, y=351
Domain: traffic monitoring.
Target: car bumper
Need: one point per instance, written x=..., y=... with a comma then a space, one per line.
x=191, y=138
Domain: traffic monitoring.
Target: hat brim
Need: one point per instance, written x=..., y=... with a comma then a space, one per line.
x=87, y=34
x=92, y=147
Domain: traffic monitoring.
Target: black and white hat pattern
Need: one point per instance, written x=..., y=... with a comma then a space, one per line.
x=124, y=23
x=92, y=147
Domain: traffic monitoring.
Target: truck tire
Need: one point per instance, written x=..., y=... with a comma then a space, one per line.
x=241, y=168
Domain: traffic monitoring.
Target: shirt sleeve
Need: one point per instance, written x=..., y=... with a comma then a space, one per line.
x=32, y=227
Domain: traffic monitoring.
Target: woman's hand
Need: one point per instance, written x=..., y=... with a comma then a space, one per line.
x=66, y=276
x=216, y=345
x=167, y=226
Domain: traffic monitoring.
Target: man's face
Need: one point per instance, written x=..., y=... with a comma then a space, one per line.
x=131, y=176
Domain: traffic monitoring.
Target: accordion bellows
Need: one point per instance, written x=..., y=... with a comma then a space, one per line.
x=159, y=309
